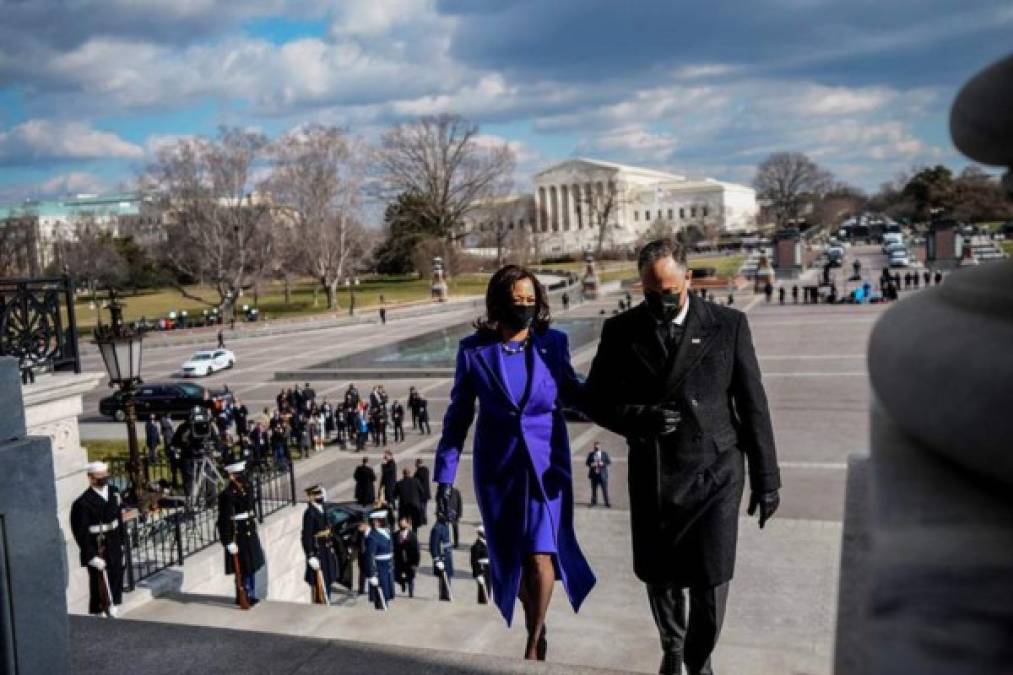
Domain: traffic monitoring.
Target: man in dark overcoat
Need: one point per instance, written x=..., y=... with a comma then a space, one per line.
x=679, y=379
x=365, y=477
x=408, y=494
x=406, y=557
x=422, y=476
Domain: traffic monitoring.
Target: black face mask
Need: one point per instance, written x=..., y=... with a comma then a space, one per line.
x=665, y=306
x=318, y=500
x=101, y=482
x=519, y=317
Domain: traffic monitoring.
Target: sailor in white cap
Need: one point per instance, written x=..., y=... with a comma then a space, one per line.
x=318, y=545
x=97, y=526
x=379, y=556
x=237, y=528
x=480, y=566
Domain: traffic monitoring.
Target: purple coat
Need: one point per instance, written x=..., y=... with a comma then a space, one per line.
x=508, y=440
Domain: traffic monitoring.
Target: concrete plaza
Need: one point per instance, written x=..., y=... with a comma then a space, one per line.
x=782, y=607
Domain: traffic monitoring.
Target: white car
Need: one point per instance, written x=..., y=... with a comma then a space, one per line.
x=207, y=361
x=899, y=258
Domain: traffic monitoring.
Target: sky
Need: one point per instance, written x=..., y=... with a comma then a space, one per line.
x=89, y=89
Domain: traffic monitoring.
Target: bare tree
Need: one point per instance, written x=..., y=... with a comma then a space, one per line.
x=786, y=179
x=316, y=184
x=19, y=246
x=442, y=160
x=88, y=252
x=598, y=208
x=216, y=227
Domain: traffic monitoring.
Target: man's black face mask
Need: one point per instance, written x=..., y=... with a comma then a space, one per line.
x=665, y=305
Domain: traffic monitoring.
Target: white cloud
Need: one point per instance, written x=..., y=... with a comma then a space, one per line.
x=75, y=182
x=42, y=140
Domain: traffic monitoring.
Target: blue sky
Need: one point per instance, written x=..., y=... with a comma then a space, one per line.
x=88, y=90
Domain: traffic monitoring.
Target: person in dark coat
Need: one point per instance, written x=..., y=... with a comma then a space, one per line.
x=455, y=509
x=406, y=557
x=680, y=380
x=240, y=415
x=365, y=477
x=408, y=495
x=598, y=462
x=388, y=477
x=152, y=437
x=480, y=566
x=237, y=529
x=423, y=414
x=397, y=420
x=440, y=549
x=97, y=525
x=379, y=561
x=172, y=454
x=413, y=406
x=422, y=476
x=260, y=446
x=318, y=545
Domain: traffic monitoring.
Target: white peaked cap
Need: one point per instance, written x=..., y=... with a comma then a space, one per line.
x=480, y=530
x=378, y=514
x=97, y=467
x=236, y=467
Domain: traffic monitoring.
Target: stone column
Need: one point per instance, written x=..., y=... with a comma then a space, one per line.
x=52, y=405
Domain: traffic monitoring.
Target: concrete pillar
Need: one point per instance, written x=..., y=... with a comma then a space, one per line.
x=554, y=208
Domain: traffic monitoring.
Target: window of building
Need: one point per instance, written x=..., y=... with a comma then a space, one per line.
x=659, y=214
x=636, y=216
x=647, y=215
x=692, y=212
x=670, y=217
x=704, y=211
x=682, y=214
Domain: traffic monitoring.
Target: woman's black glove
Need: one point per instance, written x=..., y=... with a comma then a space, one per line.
x=767, y=503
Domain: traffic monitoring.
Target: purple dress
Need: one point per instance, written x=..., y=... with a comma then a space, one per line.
x=538, y=535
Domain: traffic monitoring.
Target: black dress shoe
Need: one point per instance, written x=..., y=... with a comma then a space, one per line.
x=671, y=664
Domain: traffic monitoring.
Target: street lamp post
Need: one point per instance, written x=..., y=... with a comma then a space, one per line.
x=120, y=347
x=351, y=285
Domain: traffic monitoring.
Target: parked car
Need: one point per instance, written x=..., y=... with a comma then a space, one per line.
x=207, y=361
x=175, y=399
x=900, y=258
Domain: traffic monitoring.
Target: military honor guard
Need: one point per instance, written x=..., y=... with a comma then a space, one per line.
x=97, y=525
x=237, y=528
x=379, y=556
x=318, y=545
x=480, y=566
x=441, y=548
x=406, y=557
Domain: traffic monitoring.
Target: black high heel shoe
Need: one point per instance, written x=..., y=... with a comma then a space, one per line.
x=543, y=645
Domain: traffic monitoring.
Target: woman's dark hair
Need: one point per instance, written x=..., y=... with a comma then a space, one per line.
x=499, y=297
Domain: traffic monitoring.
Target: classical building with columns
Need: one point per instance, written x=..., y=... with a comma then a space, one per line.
x=573, y=198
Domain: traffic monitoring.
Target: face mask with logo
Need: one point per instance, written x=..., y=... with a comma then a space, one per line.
x=318, y=500
x=519, y=317
x=664, y=305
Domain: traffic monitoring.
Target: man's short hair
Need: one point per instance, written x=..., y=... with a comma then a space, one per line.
x=658, y=249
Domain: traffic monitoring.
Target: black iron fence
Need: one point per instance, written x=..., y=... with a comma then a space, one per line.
x=179, y=527
x=38, y=326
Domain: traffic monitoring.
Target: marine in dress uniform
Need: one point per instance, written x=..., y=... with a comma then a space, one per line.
x=480, y=566
x=237, y=529
x=379, y=559
x=406, y=557
x=441, y=549
x=318, y=545
x=97, y=525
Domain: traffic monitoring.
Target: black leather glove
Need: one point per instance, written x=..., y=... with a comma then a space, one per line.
x=767, y=503
x=653, y=420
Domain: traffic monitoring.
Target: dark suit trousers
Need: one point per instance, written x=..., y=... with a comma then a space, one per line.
x=689, y=639
x=596, y=483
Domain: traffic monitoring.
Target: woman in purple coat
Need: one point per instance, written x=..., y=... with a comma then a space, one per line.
x=518, y=369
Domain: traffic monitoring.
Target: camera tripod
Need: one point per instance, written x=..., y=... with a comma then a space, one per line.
x=207, y=481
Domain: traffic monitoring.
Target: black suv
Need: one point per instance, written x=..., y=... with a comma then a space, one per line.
x=175, y=399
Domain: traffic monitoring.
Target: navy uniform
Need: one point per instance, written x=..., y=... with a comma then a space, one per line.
x=318, y=545
x=480, y=566
x=441, y=548
x=237, y=528
x=379, y=559
x=97, y=525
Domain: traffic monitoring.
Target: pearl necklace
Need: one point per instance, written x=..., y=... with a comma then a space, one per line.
x=515, y=350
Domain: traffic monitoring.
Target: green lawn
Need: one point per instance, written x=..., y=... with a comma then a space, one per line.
x=726, y=265
x=155, y=304
x=1007, y=247
x=106, y=450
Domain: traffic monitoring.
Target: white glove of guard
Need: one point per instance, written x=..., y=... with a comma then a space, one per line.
x=98, y=563
x=313, y=562
x=232, y=548
x=374, y=581
x=439, y=564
